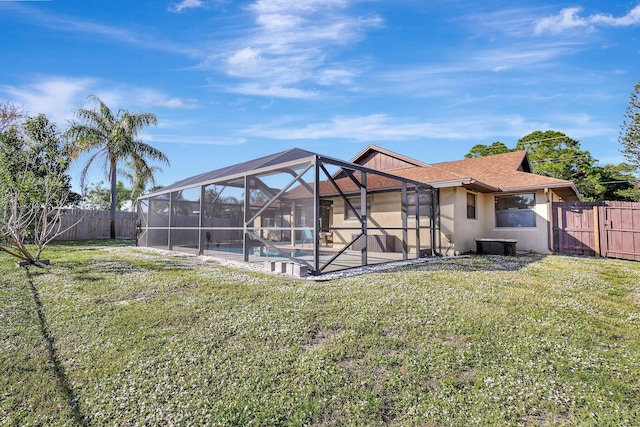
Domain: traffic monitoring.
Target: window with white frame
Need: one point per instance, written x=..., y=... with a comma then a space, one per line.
x=516, y=210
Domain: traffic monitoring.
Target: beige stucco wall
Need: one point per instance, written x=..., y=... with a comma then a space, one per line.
x=464, y=231
x=381, y=212
x=385, y=212
x=447, y=219
x=529, y=238
x=457, y=232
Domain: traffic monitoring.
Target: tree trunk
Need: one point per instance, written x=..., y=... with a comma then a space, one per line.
x=112, y=211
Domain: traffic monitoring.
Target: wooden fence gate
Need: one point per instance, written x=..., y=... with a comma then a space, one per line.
x=608, y=229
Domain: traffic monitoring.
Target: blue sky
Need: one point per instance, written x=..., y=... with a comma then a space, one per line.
x=233, y=80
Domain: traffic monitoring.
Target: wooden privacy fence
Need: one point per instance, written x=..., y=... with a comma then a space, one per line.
x=96, y=225
x=607, y=229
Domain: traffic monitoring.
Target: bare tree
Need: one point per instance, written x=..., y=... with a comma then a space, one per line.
x=34, y=187
x=37, y=223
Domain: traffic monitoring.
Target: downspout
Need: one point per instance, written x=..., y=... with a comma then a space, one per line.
x=549, y=197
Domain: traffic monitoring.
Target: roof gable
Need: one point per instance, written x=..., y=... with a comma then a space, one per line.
x=378, y=158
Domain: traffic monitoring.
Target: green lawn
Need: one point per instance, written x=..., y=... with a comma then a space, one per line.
x=113, y=335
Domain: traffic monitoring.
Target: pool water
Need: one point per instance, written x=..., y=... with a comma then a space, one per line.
x=262, y=251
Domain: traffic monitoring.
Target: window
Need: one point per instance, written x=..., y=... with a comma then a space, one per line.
x=516, y=210
x=425, y=204
x=471, y=206
x=268, y=218
x=325, y=216
x=355, y=202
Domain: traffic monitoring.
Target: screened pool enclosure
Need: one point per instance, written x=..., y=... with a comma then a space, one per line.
x=297, y=206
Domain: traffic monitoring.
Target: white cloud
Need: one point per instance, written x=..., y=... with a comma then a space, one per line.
x=520, y=56
x=331, y=76
x=289, y=43
x=275, y=91
x=481, y=68
x=378, y=128
x=87, y=28
x=190, y=139
x=494, y=24
x=60, y=22
x=567, y=18
x=631, y=18
x=581, y=125
x=570, y=18
x=186, y=4
x=152, y=98
x=57, y=97
x=305, y=6
x=136, y=98
x=279, y=22
x=381, y=127
x=245, y=62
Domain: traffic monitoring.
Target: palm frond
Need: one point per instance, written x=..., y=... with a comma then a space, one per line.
x=85, y=170
x=114, y=135
x=145, y=150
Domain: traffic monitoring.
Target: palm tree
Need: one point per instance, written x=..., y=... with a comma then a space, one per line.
x=140, y=176
x=113, y=137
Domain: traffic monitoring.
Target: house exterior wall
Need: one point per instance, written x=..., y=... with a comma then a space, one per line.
x=386, y=213
x=469, y=228
x=448, y=205
x=534, y=239
x=458, y=233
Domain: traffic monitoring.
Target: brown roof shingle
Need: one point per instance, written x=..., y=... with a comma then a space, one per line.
x=509, y=172
x=501, y=172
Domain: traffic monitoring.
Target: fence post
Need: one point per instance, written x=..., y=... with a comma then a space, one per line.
x=596, y=230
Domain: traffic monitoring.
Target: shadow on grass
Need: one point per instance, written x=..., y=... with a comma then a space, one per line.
x=61, y=376
x=93, y=244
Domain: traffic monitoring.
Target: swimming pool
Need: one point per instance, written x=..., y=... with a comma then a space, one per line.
x=264, y=252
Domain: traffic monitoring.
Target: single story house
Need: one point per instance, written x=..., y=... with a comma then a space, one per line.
x=495, y=197
x=328, y=214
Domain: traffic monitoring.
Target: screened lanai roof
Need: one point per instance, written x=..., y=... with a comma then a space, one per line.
x=246, y=212
x=270, y=161
x=276, y=162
